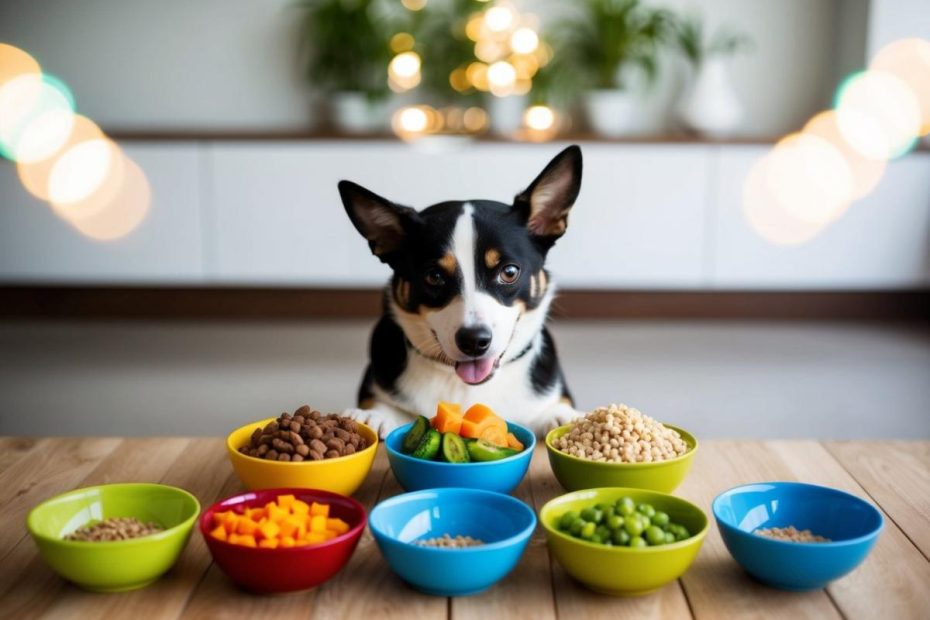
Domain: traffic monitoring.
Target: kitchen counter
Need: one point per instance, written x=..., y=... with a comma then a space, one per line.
x=894, y=582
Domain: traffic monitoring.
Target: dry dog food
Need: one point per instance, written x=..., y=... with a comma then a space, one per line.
x=285, y=522
x=448, y=542
x=307, y=435
x=116, y=528
x=790, y=534
x=621, y=434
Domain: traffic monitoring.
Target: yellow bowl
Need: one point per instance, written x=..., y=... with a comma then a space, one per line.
x=342, y=475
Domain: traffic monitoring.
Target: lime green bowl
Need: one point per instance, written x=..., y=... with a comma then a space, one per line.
x=623, y=571
x=575, y=473
x=118, y=565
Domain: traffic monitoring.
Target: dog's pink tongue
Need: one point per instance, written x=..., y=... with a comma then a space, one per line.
x=475, y=371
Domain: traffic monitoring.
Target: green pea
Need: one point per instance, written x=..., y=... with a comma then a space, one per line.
x=592, y=514
x=633, y=526
x=638, y=541
x=575, y=528
x=683, y=533
x=603, y=532
x=587, y=532
x=655, y=535
x=567, y=519
x=626, y=506
x=620, y=537
x=660, y=518
x=647, y=510
x=597, y=539
x=608, y=511
x=669, y=538
x=614, y=522
x=646, y=521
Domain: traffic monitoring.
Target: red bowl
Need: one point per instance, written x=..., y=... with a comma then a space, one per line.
x=285, y=570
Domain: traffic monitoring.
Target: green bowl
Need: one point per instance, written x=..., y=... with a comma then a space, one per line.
x=575, y=473
x=623, y=571
x=118, y=565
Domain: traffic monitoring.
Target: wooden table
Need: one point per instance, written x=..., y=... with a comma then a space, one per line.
x=894, y=582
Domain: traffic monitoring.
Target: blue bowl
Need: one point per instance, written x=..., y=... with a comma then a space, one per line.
x=501, y=476
x=851, y=524
x=503, y=523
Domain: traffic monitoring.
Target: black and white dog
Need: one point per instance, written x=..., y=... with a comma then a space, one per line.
x=465, y=310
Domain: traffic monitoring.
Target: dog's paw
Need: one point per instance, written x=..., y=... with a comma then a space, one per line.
x=557, y=416
x=380, y=420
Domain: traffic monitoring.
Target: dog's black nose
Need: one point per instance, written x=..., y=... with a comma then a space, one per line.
x=473, y=341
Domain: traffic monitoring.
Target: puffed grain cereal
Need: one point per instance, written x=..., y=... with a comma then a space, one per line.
x=621, y=434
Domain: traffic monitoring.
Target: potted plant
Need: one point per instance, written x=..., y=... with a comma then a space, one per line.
x=610, y=48
x=709, y=104
x=345, y=46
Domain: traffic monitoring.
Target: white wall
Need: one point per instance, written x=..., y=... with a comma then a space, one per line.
x=896, y=19
x=233, y=63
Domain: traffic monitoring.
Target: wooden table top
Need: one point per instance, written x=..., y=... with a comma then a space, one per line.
x=894, y=582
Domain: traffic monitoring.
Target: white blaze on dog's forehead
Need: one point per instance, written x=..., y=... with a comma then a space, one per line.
x=463, y=248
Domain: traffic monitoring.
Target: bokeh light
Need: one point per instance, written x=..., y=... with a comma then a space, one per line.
x=475, y=119
x=35, y=175
x=909, y=61
x=524, y=40
x=539, y=117
x=765, y=214
x=499, y=18
x=866, y=173
x=809, y=179
x=404, y=71
x=402, y=42
x=413, y=5
x=501, y=78
x=14, y=62
x=123, y=211
x=36, y=116
x=878, y=115
x=84, y=177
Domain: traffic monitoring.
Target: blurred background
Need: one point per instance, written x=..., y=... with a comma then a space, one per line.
x=749, y=255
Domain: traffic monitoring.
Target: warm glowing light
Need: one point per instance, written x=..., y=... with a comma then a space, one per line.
x=766, y=216
x=123, y=211
x=14, y=62
x=809, y=178
x=412, y=120
x=36, y=116
x=501, y=78
x=489, y=50
x=539, y=117
x=453, y=119
x=909, y=61
x=475, y=120
x=413, y=5
x=498, y=18
x=402, y=42
x=477, y=74
x=81, y=170
x=458, y=79
x=524, y=40
x=866, y=173
x=474, y=26
x=35, y=176
x=878, y=114
x=404, y=71
x=526, y=66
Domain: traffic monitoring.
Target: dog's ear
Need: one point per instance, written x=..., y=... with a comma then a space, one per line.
x=547, y=201
x=384, y=224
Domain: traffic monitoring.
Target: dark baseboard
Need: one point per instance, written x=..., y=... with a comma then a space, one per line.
x=242, y=303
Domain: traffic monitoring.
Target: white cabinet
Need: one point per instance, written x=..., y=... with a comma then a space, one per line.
x=38, y=246
x=881, y=241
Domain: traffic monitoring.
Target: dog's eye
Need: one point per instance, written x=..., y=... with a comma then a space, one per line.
x=434, y=277
x=509, y=274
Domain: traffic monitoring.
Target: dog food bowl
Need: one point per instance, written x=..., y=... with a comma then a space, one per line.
x=285, y=569
x=501, y=476
x=851, y=524
x=503, y=523
x=113, y=566
x=343, y=475
x=575, y=473
x=623, y=571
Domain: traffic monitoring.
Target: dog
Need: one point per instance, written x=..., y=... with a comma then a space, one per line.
x=464, y=312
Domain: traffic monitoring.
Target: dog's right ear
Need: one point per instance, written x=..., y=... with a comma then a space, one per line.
x=384, y=224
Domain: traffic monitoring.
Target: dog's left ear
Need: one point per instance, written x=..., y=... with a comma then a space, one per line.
x=548, y=199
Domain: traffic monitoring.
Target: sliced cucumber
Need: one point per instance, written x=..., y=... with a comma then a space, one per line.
x=415, y=434
x=481, y=450
x=454, y=449
x=428, y=447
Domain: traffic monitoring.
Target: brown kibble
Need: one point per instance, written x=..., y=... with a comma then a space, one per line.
x=300, y=419
x=256, y=435
x=336, y=444
x=295, y=426
x=272, y=427
x=349, y=449
x=303, y=410
x=284, y=457
x=332, y=454
x=316, y=456
x=302, y=450
x=307, y=435
x=314, y=415
x=318, y=446
x=315, y=432
x=272, y=455
x=296, y=439
x=296, y=458
x=262, y=449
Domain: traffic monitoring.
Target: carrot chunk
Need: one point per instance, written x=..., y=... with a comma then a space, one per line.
x=448, y=418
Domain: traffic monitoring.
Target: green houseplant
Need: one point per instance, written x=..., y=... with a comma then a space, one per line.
x=609, y=49
x=709, y=104
x=345, y=47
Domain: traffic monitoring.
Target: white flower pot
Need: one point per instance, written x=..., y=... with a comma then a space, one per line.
x=613, y=112
x=352, y=112
x=710, y=105
x=506, y=113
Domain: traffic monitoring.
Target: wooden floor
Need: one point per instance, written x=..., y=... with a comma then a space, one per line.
x=894, y=582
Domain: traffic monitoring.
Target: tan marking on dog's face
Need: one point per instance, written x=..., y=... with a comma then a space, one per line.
x=402, y=292
x=532, y=286
x=492, y=258
x=566, y=401
x=368, y=403
x=543, y=282
x=448, y=263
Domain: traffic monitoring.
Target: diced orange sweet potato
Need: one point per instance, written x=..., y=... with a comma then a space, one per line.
x=300, y=508
x=286, y=541
x=219, y=532
x=448, y=418
x=246, y=526
x=513, y=442
x=494, y=435
x=319, y=509
x=337, y=525
x=318, y=523
x=269, y=529
x=269, y=543
x=255, y=514
x=478, y=419
x=286, y=501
